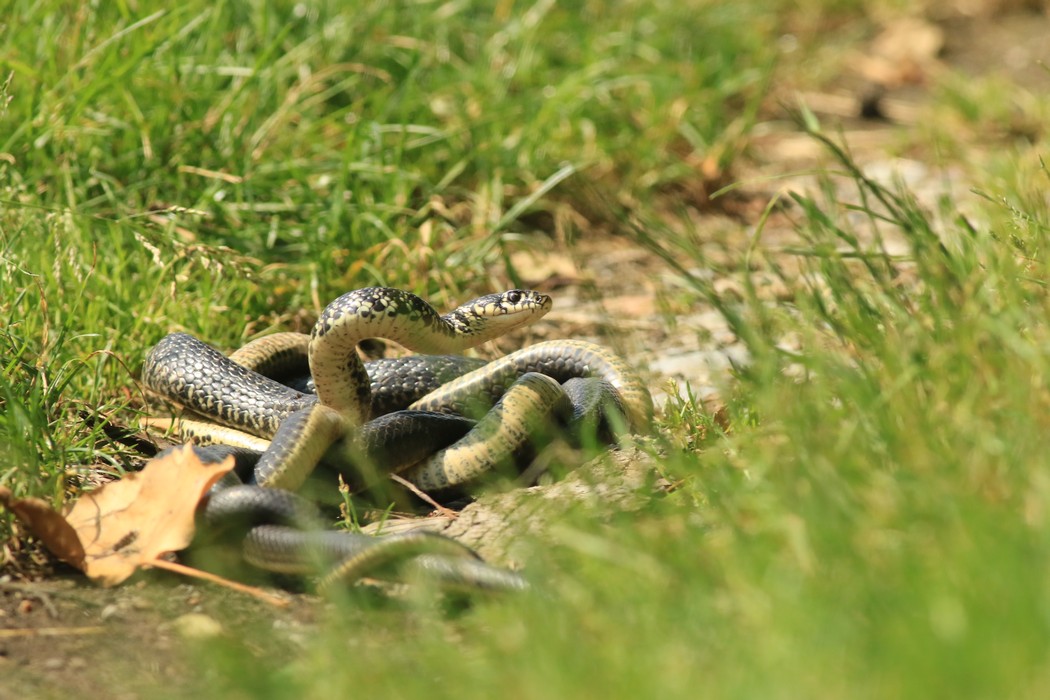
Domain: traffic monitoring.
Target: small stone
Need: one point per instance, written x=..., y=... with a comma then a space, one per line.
x=109, y=611
x=197, y=626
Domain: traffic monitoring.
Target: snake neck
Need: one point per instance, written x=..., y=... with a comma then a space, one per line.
x=393, y=314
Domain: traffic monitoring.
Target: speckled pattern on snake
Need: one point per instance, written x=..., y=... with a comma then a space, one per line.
x=362, y=403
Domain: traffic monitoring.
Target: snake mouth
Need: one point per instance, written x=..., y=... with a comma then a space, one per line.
x=494, y=315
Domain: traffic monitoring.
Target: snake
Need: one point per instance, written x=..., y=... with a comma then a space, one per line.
x=282, y=532
x=302, y=427
x=200, y=378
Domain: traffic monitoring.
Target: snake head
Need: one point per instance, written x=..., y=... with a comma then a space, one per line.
x=492, y=315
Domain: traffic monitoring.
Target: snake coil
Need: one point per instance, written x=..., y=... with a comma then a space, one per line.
x=394, y=406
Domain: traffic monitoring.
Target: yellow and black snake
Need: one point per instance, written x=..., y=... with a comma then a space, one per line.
x=406, y=402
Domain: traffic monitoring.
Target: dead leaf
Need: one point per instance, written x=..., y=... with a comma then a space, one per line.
x=631, y=305
x=127, y=523
x=904, y=53
x=538, y=268
x=48, y=525
x=143, y=516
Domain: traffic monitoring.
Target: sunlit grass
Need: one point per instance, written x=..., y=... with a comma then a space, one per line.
x=873, y=523
x=228, y=170
x=865, y=514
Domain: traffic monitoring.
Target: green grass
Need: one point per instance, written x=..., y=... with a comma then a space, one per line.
x=892, y=518
x=875, y=522
x=227, y=170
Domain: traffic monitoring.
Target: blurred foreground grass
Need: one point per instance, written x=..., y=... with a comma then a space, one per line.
x=874, y=525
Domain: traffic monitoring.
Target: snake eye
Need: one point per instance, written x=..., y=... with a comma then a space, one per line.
x=514, y=296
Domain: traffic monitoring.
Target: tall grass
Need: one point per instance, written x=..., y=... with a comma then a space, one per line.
x=227, y=169
x=887, y=515
x=873, y=524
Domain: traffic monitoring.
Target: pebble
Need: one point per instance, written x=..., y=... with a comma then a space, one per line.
x=139, y=603
x=197, y=626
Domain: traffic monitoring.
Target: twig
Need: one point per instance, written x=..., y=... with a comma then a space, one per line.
x=239, y=587
x=31, y=590
x=50, y=631
x=448, y=512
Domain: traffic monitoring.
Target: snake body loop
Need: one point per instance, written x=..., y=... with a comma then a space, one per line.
x=515, y=420
x=200, y=378
x=375, y=312
x=559, y=359
x=278, y=356
x=282, y=532
x=195, y=375
x=211, y=384
x=456, y=383
x=303, y=426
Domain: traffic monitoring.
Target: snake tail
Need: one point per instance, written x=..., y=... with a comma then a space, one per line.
x=345, y=556
x=464, y=575
x=282, y=535
x=388, y=550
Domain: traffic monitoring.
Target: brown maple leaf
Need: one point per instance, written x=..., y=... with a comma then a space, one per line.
x=113, y=530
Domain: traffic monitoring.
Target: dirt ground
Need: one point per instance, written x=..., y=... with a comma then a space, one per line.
x=54, y=632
